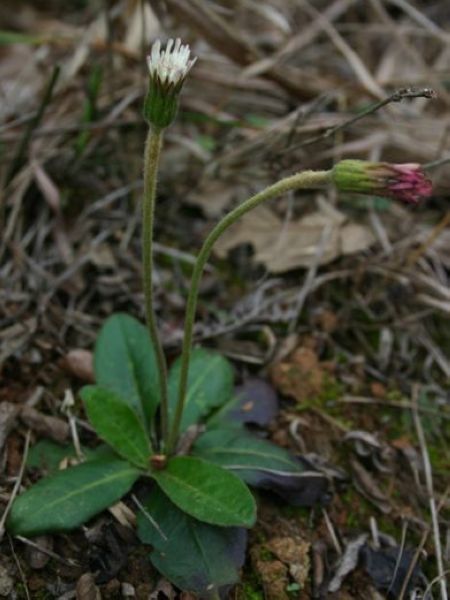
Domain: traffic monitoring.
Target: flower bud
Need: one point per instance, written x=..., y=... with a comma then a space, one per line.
x=168, y=69
x=406, y=182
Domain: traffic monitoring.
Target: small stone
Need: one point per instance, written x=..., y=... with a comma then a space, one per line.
x=128, y=590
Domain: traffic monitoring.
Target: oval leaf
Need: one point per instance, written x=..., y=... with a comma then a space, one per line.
x=71, y=497
x=196, y=557
x=210, y=385
x=125, y=363
x=117, y=424
x=207, y=492
x=262, y=464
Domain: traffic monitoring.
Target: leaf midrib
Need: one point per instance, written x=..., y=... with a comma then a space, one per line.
x=84, y=489
x=193, y=389
x=220, y=450
x=130, y=443
x=189, y=487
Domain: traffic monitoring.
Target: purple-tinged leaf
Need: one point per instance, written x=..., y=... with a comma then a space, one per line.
x=254, y=402
x=258, y=402
x=389, y=567
x=262, y=464
x=195, y=556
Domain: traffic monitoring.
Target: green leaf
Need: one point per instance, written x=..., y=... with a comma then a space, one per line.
x=71, y=497
x=207, y=492
x=196, y=557
x=238, y=451
x=210, y=384
x=125, y=363
x=117, y=424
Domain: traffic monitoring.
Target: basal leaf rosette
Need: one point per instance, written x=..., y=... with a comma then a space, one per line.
x=405, y=182
x=168, y=70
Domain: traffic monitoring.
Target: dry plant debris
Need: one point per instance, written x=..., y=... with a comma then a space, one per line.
x=279, y=86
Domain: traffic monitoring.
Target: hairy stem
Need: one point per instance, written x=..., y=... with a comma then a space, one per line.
x=151, y=164
x=305, y=179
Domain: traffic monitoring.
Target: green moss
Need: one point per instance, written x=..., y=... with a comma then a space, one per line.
x=265, y=554
x=250, y=588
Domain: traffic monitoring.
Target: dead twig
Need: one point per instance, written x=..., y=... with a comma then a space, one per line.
x=16, y=487
x=397, y=96
x=429, y=488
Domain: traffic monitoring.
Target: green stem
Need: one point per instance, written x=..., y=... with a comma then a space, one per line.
x=306, y=179
x=151, y=163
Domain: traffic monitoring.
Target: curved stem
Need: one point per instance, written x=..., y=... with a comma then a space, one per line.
x=151, y=164
x=305, y=179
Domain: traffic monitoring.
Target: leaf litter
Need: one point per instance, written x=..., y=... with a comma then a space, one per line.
x=69, y=257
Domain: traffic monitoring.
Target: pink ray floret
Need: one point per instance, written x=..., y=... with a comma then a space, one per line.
x=409, y=183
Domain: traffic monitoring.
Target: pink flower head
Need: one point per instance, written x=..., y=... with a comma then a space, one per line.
x=409, y=184
x=406, y=182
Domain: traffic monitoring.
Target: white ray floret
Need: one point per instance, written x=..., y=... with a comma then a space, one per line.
x=170, y=66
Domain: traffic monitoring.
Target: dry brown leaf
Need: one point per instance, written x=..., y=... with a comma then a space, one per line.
x=51, y=194
x=367, y=486
x=123, y=514
x=20, y=80
x=213, y=196
x=142, y=27
x=102, y=257
x=282, y=247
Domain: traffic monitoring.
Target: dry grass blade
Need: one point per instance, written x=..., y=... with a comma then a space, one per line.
x=360, y=70
x=216, y=30
x=430, y=492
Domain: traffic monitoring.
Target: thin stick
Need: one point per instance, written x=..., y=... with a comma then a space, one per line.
x=412, y=564
x=65, y=561
x=148, y=516
x=432, y=237
x=16, y=487
x=430, y=492
x=19, y=568
x=332, y=532
x=396, y=96
x=399, y=556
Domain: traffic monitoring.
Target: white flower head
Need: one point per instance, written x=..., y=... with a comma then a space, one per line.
x=170, y=67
